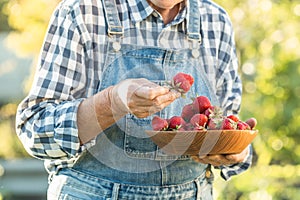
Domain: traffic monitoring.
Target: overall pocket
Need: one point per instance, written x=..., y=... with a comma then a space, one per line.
x=136, y=141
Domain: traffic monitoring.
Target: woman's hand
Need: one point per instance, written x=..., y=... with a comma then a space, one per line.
x=141, y=97
x=218, y=160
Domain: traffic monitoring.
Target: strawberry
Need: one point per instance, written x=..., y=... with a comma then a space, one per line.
x=209, y=111
x=243, y=126
x=228, y=124
x=199, y=121
x=233, y=118
x=182, y=82
x=187, y=112
x=201, y=103
x=159, y=124
x=251, y=122
x=176, y=122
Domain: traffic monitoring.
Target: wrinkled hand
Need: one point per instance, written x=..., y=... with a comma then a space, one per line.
x=141, y=97
x=218, y=160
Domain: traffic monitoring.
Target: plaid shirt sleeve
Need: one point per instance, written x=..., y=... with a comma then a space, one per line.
x=228, y=171
x=229, y=88
x=229, y=85
x=46, y=120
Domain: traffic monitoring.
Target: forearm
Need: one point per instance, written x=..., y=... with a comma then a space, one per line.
x=52, y=129
x=97, y=113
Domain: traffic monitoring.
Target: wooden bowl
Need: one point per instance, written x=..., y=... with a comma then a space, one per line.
x=202, y=142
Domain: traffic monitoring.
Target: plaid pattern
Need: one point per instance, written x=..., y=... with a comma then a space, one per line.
x=70, y=65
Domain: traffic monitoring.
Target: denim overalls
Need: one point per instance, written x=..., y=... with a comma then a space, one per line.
x=125, y=163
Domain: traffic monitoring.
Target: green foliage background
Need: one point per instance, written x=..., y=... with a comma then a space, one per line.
x=268, y=39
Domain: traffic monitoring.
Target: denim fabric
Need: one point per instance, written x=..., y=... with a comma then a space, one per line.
x=124, y=152
x=124, y=163
x=73, y=185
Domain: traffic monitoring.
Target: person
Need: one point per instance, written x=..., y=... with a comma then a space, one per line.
x=100, y=80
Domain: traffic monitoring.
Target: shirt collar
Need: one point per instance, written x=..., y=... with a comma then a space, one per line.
x=140, y=10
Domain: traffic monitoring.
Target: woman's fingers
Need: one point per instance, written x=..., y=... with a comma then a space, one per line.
x=149, y=99
x=218, y=160
x=144, y=107
x=150, y=91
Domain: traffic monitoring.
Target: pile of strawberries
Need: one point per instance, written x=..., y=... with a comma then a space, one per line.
x=200, y=114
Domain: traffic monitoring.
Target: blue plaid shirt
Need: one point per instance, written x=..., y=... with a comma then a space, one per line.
x=46, y=120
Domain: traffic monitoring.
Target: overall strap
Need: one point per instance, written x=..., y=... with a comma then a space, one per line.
x=195, y=38
x=194, y=27
x=194, y=23
x=112, y=18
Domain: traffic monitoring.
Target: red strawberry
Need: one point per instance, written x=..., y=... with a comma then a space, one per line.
x=228, y=124
x=159, y=124
x=187, y=112
x=201, y=103
x=243, y=126
x=215, y=117
x=233, y=118
x=182, y=82
x=251, y=122
x=209, y=111
x=199, y=120
x=176, y=122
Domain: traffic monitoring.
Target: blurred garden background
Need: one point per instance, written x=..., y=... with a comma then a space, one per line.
x=268, y=41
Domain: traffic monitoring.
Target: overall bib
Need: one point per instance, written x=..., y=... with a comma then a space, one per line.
x=124, y=163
